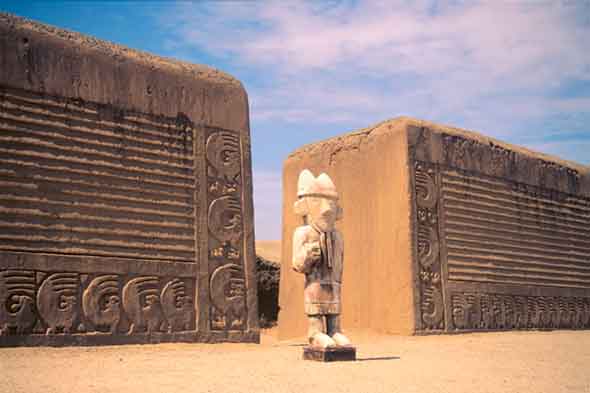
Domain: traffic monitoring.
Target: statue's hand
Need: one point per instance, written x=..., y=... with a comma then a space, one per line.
x=314, y=252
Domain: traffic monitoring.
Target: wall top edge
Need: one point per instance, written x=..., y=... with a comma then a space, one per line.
x=463, y=149
x=14, y=23
x=413, y=126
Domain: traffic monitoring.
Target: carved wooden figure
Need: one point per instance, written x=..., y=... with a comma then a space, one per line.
x=318, y=253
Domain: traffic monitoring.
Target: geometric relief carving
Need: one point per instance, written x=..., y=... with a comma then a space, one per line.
x=475, y=311
x=466, y=311
x=142, y=306
x=84, y=182
x=227, y=280
x=58, y=302
x=428, y=248
x=505, y=233
x=101, y=303
x=17, y=301
x=114, y=214
x=85, y=178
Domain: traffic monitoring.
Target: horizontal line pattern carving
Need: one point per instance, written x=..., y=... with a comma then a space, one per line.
x=88, y=179
x=497, y=233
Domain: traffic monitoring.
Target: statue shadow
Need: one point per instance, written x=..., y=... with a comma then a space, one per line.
x=370, y=359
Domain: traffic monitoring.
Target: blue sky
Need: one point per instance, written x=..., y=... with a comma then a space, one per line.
x=517, y=71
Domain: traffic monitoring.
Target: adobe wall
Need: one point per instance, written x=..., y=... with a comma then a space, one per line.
x=369, y=169
x=126, y=198
x=447, y=230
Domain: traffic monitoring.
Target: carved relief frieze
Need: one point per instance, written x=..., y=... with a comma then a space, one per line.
x=484, y=311
x=58, y=301
x=17, y=301
x=228, y=295
x=101, y=303
x=225, y=222
x=73, y=303
x=428, y=248
x=178, y=305
x=142, y=304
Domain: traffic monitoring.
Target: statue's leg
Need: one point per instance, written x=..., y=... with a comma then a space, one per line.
x=316, y=332
x=334, y=331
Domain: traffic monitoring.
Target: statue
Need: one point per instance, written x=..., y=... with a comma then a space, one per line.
x=318, y=253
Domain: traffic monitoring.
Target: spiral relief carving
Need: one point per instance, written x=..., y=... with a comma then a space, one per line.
x=426, y=191
x=58, y=302
x=223, y=153
x=225, y=222
x=225, y=218
x=141, y=302
x=141, y=306
x=178, y=305
x=17, y=301
x=101, y=303
x=428, y=248
x=228, y=292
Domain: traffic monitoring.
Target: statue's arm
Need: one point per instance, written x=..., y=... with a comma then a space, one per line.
x=305, y=253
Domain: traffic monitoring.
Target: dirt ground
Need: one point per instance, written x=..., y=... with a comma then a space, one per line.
x=488, y=362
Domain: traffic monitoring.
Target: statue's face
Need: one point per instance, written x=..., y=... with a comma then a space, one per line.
x=322, y=213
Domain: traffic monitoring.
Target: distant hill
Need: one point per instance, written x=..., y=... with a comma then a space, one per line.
x=269, y=250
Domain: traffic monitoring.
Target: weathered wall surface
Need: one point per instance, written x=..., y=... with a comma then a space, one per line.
x=449, y=231
x=369, y=169
x=126, y=198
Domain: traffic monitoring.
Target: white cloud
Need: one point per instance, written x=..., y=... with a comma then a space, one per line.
x=492, y=66
x=375, y=60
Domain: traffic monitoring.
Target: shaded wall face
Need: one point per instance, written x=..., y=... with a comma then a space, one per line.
x=371, y=178
x=502, y=236
x=126, y=206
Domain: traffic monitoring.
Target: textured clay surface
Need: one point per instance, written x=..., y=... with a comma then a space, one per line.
x=125, y=195
x=492, y=362
x=447, y=230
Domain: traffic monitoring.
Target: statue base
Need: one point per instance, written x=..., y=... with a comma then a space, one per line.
x=335, y=354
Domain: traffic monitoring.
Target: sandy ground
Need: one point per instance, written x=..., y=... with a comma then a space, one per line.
x=492, y=362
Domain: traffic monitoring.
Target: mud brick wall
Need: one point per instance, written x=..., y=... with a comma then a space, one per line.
x=125, y=195
x=447, y=230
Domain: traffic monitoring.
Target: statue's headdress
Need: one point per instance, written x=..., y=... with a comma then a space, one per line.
x=321, y=186
x=311, y=186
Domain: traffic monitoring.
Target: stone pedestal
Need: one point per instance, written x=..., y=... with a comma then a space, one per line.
x=338, y=354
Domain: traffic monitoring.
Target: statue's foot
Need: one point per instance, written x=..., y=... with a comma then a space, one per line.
x=321, y=340
x=341, y=340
